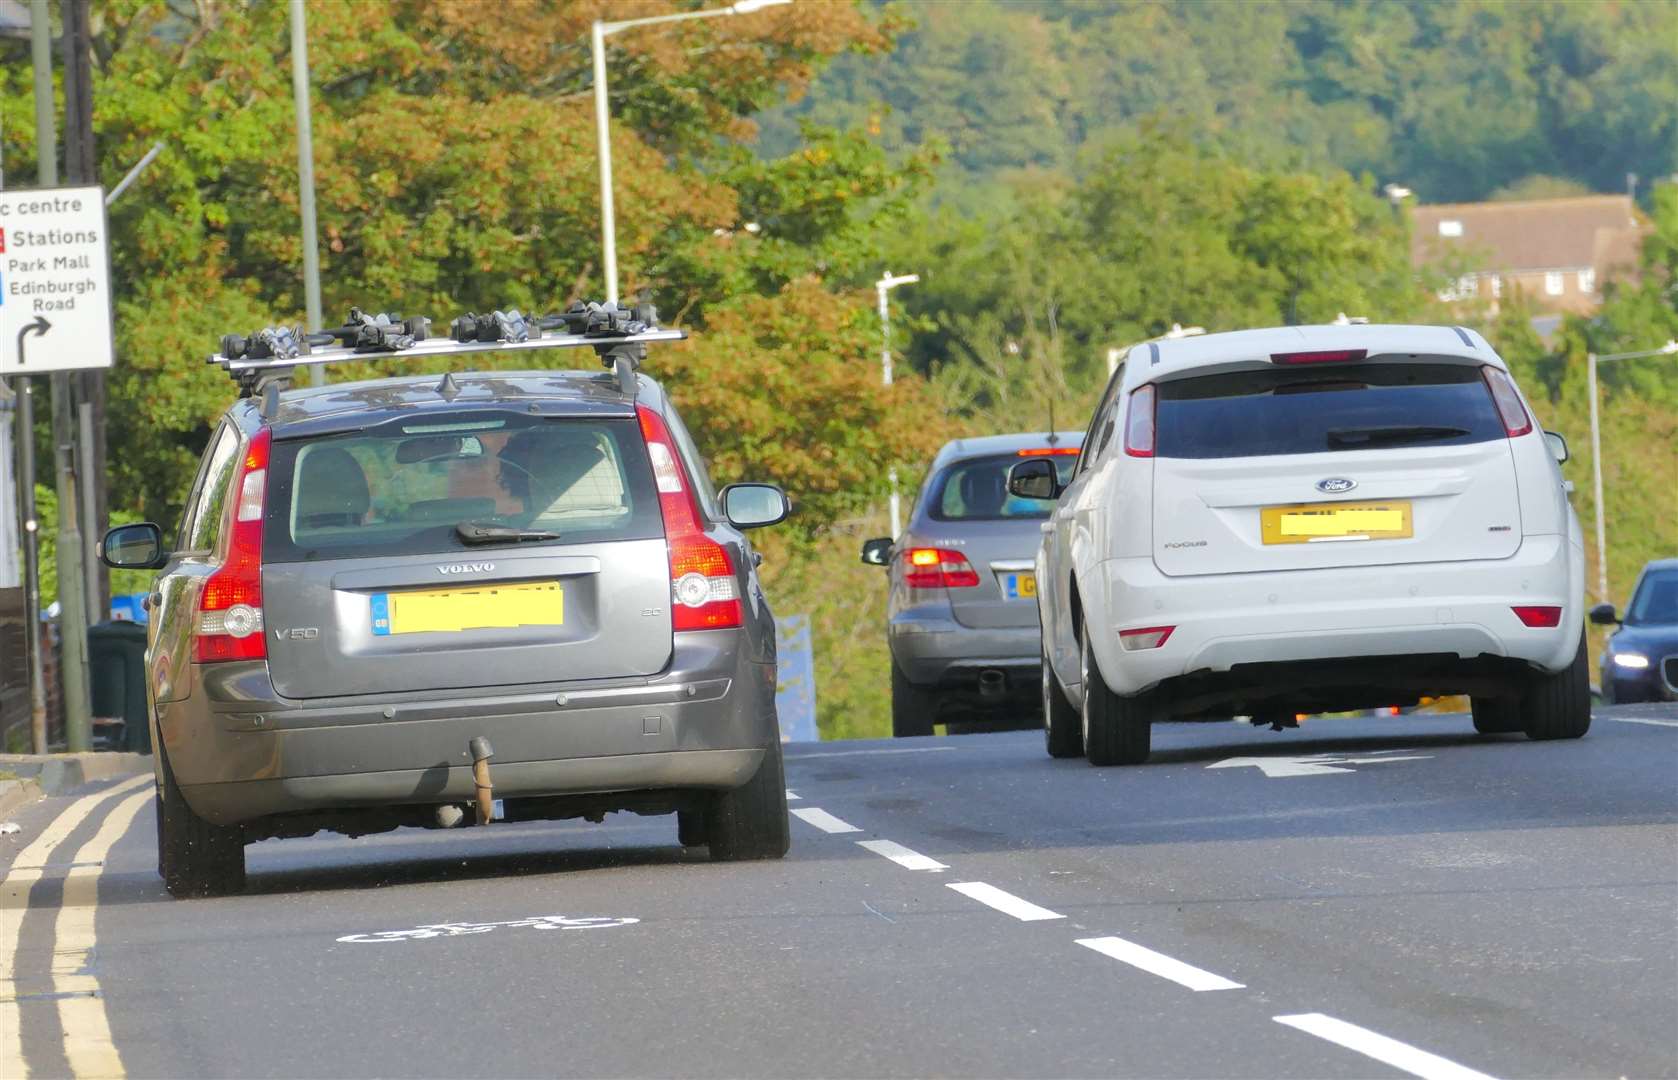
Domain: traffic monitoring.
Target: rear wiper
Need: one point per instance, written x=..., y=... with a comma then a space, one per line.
x=476, y=532
x=1386, y=436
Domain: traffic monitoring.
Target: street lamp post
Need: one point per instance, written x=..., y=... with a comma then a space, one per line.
x=887, y=283
x=1591, y=361
x=602, y=116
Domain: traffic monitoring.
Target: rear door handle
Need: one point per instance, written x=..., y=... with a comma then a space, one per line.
x=150, y=600
x=1065, y=515
x=757, y=558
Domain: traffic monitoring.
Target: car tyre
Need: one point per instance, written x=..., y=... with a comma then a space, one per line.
x=1063, y=730
x=750, y=822
x=195, y=857
x=1559, y=706
x=913, y=710
x=1497, y=715
x=1117, y=730
x=690, y=828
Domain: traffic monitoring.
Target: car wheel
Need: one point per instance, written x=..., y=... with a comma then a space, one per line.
x=690, y=828
x=1496, y=715
x=195, y=857
x=1063, y=731
x=1117, y=730
x=1559, y=706
x=750, y=822
x=912, y=709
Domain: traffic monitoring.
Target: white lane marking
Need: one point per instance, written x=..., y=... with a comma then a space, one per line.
x=1390, y=1051
x=540, y=922
x=793, y=796
x=1005, y=902
x=1155, y=963
x=902, y=856
x=825, y=754
x=1645, y=720
x=1310, y=765
x=81, y=1015
x=821, y=819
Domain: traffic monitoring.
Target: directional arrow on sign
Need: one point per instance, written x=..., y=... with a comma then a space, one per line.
x=39, y=327
x=1314, y=764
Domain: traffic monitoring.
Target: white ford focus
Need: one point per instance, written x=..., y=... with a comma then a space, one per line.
x=1308, y=519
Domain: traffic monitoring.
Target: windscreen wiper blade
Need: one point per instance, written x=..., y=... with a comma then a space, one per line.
x=1388, y=436
x=477, y=532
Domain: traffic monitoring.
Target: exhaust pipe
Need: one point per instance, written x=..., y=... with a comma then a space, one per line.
x=481, y=753
x=992, y=683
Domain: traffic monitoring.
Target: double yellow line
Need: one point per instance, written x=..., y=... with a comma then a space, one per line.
x=74, y=990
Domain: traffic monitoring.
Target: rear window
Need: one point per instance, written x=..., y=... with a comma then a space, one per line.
x=1313, y=410
x=402, y=487
x=977, y=490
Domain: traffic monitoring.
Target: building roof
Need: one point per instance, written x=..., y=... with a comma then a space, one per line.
x=1535, y=234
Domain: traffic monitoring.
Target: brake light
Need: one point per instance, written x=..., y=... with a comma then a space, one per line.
x=1139, y=423
x=1537, y=616
x=1050, y=451
x=1144, y=637
x=938, y=568
x=1322, y=356
x=1509, y=407
x=704, y=592
x=229, y=621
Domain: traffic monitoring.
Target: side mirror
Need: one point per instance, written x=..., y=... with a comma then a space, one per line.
x=1033, y=479
x=133, y=547
x=752, y=506
x=1558, y=446
x=877, y=552
x=1604, y=615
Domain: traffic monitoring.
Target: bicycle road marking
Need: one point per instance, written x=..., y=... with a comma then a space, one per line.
x=460, y=929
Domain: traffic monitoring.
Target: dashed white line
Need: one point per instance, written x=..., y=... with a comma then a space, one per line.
x=1155, y=963
x=1380, y=1047
x=821, y=819
x=1645, y=720
x=1005, y=902
x=793, y=796
x=902, y=856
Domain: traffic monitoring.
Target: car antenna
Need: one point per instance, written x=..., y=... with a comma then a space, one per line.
x=448, y=389
x=1054, y=435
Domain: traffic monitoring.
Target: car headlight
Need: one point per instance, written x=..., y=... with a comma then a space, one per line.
x=1631, y=660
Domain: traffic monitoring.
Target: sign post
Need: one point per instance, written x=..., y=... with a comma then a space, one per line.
x=55, y=317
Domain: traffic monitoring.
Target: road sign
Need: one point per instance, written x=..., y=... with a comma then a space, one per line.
x=1314, y=764
x=55, y=281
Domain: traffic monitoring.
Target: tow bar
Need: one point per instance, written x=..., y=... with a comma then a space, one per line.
x=481, y=753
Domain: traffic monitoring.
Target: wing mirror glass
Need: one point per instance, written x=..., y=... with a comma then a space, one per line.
x=877, y=552
x=1033, y=479
x=1558, y=446
x=752, y=506
x=1604, y=615
x=133, y=547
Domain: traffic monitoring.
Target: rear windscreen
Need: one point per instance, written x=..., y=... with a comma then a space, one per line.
x=977, y=490
x=1313, y=410
x=403, y=487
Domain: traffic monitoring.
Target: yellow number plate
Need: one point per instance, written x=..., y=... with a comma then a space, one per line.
x=531, y=603
x=1335, y=521
x=1019, y=586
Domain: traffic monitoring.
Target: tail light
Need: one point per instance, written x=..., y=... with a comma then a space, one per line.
x=229, y=621
x=1515, y=418
x=1321, y=356
x=1139, y=423
x=1538, y=616
x=1144, y=637
x=938, y=568
x=704, y=592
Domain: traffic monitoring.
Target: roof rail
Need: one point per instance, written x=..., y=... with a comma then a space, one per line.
x=618, y=336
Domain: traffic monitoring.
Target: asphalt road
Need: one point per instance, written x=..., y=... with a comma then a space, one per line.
x=1410, y=900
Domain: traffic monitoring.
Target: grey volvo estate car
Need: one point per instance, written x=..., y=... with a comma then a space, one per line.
x=962, y=606
x=420, y=601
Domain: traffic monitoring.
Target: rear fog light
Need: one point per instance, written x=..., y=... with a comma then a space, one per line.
x=1537, y=616
x=1145, y=637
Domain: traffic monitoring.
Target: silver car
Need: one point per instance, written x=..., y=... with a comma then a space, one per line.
x=962, y=609
x=423, y=602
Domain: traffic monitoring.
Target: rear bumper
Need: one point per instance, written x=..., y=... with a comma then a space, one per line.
x=1460, y=609
x=240, y=752
x=934, y=650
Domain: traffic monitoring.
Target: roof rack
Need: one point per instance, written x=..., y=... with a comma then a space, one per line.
x=618, y=336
